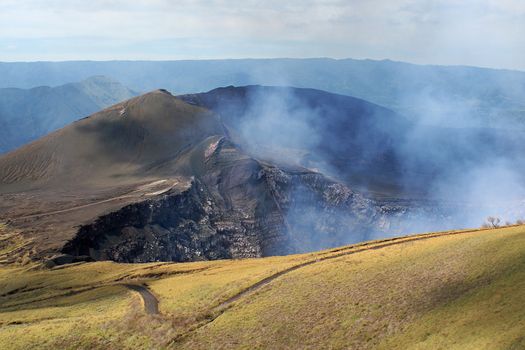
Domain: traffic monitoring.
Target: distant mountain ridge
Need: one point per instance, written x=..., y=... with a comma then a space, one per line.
x=26, y=115
x=457, y=95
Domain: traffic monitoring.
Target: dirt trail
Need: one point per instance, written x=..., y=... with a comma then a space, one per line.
x=136, y=193
x=151, y=304
x=71, y=209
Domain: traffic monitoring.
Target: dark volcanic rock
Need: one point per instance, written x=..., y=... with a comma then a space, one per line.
x=179, y=227
x=238, y=207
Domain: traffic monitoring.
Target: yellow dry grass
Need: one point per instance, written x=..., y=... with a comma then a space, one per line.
x=461, y=291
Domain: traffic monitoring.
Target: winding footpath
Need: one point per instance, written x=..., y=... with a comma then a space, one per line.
x=135, y=193
x=150, y=302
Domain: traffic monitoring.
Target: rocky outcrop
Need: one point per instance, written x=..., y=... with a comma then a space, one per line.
x=238, y=207
x=186, y=226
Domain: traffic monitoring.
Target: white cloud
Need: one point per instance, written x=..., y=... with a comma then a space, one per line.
x=476, y=32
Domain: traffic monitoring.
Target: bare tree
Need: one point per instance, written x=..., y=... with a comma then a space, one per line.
x=492, y=222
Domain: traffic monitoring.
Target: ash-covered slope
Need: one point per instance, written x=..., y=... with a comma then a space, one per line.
x=111, y=146
x=155, y=178
x=26, y=115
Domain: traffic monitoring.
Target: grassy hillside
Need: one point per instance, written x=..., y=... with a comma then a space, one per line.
x=460, y=290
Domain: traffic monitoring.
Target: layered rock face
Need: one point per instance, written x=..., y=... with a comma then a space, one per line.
x=237, y=207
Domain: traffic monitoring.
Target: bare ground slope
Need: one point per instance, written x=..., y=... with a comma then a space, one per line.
x=97, y=165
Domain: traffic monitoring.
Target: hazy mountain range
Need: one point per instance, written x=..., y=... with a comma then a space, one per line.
x=455, y=95
x=27, y=114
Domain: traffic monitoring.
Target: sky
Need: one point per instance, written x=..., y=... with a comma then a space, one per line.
x=488, y=33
